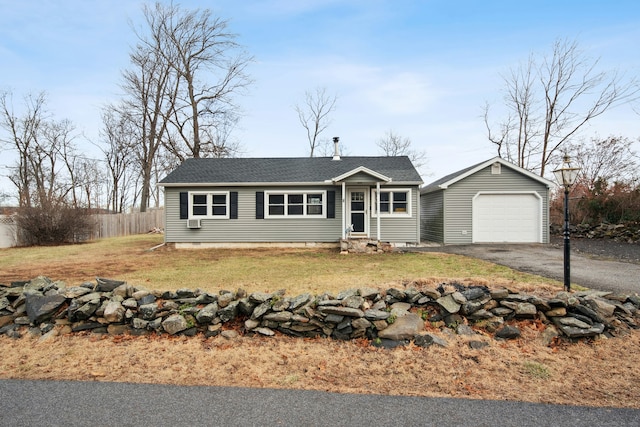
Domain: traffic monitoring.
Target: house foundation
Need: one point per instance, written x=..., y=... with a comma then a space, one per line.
x=364, y=246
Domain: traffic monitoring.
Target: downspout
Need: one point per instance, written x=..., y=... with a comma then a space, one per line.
x=418, y=215
x=156, y=247
x=344, y=211
x=378, y=208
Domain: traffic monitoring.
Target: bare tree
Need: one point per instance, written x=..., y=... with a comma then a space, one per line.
x=549, y=100
x=170, y=96
x=118, y=149
x=64, y=133
x=150, y=89
x=45, y=165
x=517, y=137
x=393, y=144
x=220, y=140
x=314, y=115
x=209, y=69
x=90, y=178
x=22, y=138
x=46, y=173
x=606, y=160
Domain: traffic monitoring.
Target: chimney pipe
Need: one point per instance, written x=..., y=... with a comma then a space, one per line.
x=336, y=150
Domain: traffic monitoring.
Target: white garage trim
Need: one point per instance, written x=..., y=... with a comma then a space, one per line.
x=530, y=235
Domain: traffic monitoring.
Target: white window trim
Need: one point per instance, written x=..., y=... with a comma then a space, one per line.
x=374, y=207
x=209, y=195
x=304, y=194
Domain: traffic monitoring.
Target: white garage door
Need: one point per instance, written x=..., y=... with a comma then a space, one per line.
x=513, y=218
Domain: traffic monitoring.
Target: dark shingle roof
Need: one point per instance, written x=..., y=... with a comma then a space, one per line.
x=435, y=185
x=286, y=170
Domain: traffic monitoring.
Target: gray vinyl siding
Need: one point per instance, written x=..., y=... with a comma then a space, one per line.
x=457, y=201
x=247, y=228
x=432, y=217
x=360, y=177
x=399, y=229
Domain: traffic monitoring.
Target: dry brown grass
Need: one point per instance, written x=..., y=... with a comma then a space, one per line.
x=598, y=373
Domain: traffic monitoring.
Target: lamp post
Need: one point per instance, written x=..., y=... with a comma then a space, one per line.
x=566, y=176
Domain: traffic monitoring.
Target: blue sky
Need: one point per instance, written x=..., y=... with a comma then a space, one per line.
x=423, y=69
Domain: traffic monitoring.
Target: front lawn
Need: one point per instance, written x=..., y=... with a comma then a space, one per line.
x=296, y=270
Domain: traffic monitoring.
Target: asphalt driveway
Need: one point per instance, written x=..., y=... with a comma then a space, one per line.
x=601, y=272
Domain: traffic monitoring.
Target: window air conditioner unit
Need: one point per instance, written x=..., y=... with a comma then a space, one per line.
x=193, y=223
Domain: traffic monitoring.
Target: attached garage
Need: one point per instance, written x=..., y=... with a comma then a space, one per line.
x=491, y=202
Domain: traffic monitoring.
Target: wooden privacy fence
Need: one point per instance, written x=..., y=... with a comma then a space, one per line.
x=114, y=225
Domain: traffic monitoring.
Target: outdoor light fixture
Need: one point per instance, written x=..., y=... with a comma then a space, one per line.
x=566, y=176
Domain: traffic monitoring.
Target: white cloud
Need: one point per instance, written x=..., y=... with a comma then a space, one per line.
x=388, y=90
x=401, y=93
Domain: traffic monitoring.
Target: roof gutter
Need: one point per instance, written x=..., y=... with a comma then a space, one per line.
x=239, y=184
x=270, y=184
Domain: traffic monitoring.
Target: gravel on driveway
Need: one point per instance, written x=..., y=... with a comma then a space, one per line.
x=605, y=249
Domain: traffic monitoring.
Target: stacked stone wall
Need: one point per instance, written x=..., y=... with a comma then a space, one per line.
x=42, y=307
x=627, y=232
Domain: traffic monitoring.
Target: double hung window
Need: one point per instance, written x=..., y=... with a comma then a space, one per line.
x=209, y=205
x=396, y=202
x=296, y=204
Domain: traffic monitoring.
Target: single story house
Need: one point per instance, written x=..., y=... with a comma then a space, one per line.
x=493, y=201
x=292, y=201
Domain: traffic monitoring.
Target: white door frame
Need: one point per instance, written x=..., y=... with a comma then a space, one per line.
x=365, y=191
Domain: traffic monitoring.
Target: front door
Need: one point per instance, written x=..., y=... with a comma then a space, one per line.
x=358, y=211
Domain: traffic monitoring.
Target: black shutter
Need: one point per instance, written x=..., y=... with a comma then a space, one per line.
x=331, y=204
x=233, y=205
x=259, y=204
x=184, y=205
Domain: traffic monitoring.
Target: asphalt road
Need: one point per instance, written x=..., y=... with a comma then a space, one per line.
x=547, y=260
x=63, y=403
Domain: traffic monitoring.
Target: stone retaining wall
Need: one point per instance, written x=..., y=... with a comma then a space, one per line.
x=364, y=246
x=628, y=232
x=42, y=307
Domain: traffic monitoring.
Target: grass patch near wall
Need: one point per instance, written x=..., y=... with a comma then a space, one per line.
x=296, y=270
x=536, y=370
